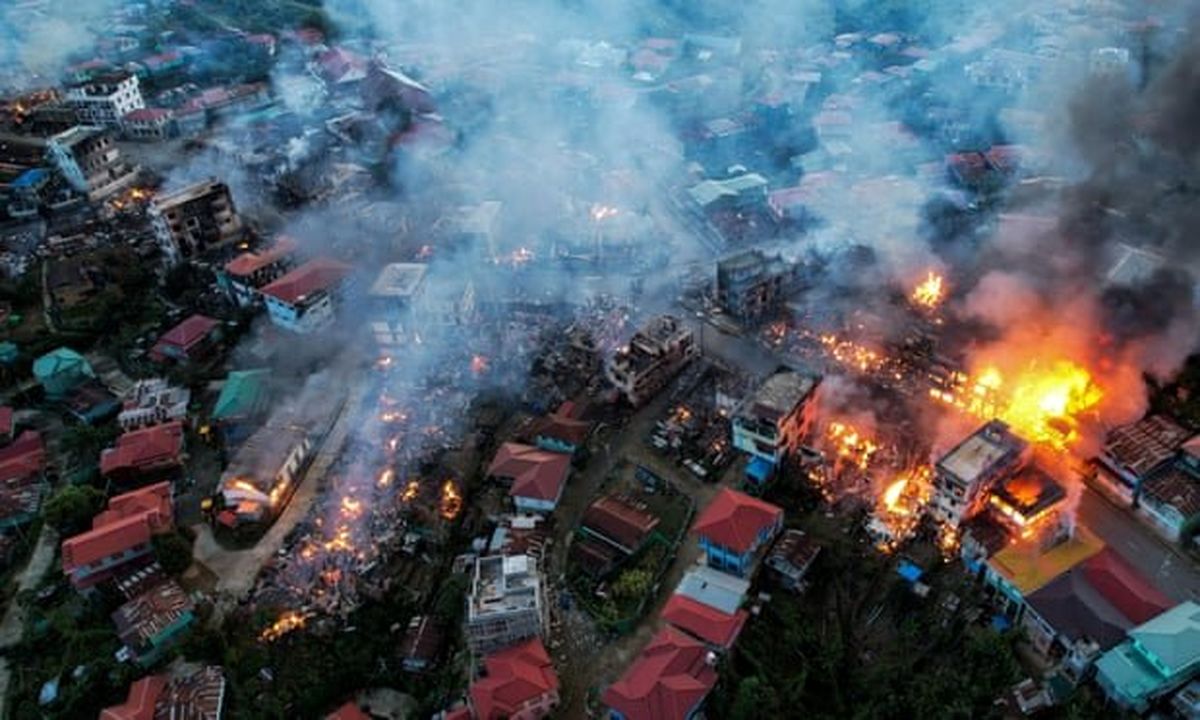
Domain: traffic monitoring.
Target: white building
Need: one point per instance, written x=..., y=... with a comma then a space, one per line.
x=106, y=99
x=773, y=421
x=395, y=299
x=963, y=476
x=506, y=604
x=154, y=401
x=304, y=300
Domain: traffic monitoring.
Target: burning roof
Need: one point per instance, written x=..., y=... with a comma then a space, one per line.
x=1027, y=496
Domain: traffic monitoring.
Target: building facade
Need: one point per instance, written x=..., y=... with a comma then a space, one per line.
x=751, y=285
x=195, y=219
x=774, y=421
x=963, y=475
x=654, y=355
x=106, y=99
x=506, y=604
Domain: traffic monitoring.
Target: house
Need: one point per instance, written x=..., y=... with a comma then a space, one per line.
x=61, y=371
x=752, y=285
x=149, y=452
x=668, y=681
x=791, y=557
x=618, y=522
x=147, y=124
x=653, y=356
x=1026, y=566
x=303, y=300
x=771, y=424
x=1131, y=452
x=198, y=695
x=244, y=400
x=1088, y=609
x=191, y=340
x=740, y=192
x=519, y=683
x=243, y=276
x=151, y=402
x=535, y=477
x=92, y=403
x=714, y=589
x=506, y=603
x=119, y=540
x=195, y=219
x=421, y=644
x=265, y=472
x=716, y=628
x=732, y=529
x=396, y=299
x=564, y=430
x=154, y=621
x=89, y=159
x=1170, y=494
x=963, y=476
x=1158, y=657
x=22, y=481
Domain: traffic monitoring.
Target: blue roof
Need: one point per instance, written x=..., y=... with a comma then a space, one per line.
x=1000, y=623
x=760, y=469
x=30, y=178
x=909, y=571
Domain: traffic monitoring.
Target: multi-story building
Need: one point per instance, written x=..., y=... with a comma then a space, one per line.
x=195, y=219
x=147, y=124
x=395, y=298
x=90, y=161
x=303, y=300
x=1158, y=657
x=773, y=422
x=506, y=603
x=653, y=356
x=519, y=683
x=751, y=284
x=153, y=401
x=733, y=528
x=243, y=276
x=106, y=99
x=119, y=540
x=963, y=476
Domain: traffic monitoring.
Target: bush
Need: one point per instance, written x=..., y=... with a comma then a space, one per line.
x=174, y=552
x=71, y=509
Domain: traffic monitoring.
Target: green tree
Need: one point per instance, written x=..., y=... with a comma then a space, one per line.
x=632, y=583
x=755, y=699
x=83, y=443
x=71, y=509
x=174, y=552
x=450, y=602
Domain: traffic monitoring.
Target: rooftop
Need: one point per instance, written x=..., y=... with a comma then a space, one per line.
x=105, y=541
x=703, y=622
x=1177, y=485
x=314, y=276
x=514, y=676
x=401, y=280
x=141, y=620
x=188, y=333
x=535, y=473
x=1027, y=494
x=151, y=448
x=23, y=458
x=1172, y=637
x=713, y=588
x=245, y=393
x=988, y=448
x=504, y=584
x=780, y=394
x=619, y=521
x=1144, y=445
x=187, y=194
x=670, y=678
x=249, y=263
x=735, y=520
x=1028, y=566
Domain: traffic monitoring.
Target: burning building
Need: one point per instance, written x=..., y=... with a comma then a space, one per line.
x=773, y=422
x=506, y=604
x=1023, y=500
x=195, y=219
x=751, y=285
x=264, y=473
x=654, y=355
x=963, y=476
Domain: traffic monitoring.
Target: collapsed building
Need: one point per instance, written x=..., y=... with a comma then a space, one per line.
x=195, y=219
x=506, y=604
x=264, y=474
x=654, y=355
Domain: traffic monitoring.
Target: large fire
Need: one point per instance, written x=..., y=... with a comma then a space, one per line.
x=852, y=354
x=930, y=293
x=850, y=445
x=1043, y=402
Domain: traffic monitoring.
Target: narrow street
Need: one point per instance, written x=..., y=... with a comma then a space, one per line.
x=13, y=624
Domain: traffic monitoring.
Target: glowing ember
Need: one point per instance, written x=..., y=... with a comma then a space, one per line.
x=851, y=445
x=411, y=490
x=452, y=502
x=386, y=477
x=891, y=496
x=930, y=293
x=351, y=508
x=341, y=541
x=479, y=365
x=393, y=416
x=852, y=354
x=286, y=623
x=603, y=212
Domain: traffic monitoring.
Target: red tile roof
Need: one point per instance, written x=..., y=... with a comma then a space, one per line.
x=349, y=711
x=6, y=420
x=1124, y=587
x=564, y=425
x=706, y=623
x=251, y=262
x=153, y=448
x=188, y=333
x=153, y=501
x=619, y=522
x=147, y=115
x=668, y=680
x=313, y=276
x=26, y=456
x=139, y=705
x=515, y=676
x=535, y=473
x=734, y=520
x=105, y=541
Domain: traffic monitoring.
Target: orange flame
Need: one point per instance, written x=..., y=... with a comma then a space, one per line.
x=930, y=293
